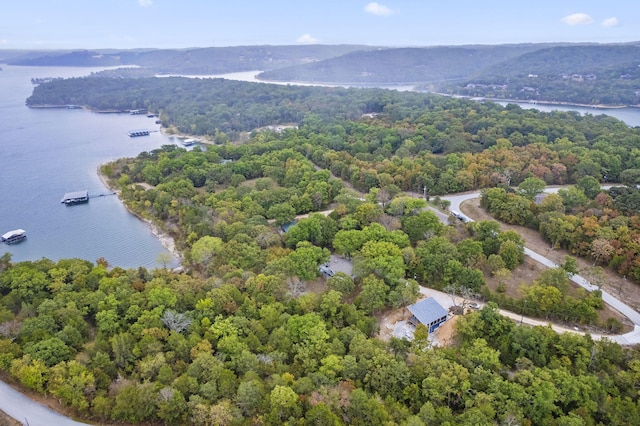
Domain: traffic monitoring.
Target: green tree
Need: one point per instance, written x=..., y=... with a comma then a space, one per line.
x=71, y=382
x=134, y=403
x=531, y=187
x=572, y=197
x=281, y=213
x=422, y=226
x=304, y=260
x=204, y=250
x=381, y=258
x=284, y=403
x=432, y=258
x=404, y=293
x=341, y=282
x=373, y=295
x=51, y=351
x=250, y=396
x=589, y=185
x=511, y=253
x=171, y=406
x=32, y=373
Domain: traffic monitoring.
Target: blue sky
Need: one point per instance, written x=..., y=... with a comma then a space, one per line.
x=123, y=24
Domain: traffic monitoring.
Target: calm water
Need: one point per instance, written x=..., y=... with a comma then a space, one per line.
x=631, y=116
x=47, y=152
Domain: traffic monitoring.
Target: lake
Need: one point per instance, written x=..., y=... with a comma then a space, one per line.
x=45, y=153
x=630, y=115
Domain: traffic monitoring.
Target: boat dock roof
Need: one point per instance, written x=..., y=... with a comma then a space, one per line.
x=76, y=195
x=139, y=132
x=15, y=232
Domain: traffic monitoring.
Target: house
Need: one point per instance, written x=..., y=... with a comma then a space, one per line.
x=429, y=313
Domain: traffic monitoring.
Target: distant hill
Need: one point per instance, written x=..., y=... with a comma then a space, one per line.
x=199, y=61
x=401, y=65
x=577, y=59
x=583, y=74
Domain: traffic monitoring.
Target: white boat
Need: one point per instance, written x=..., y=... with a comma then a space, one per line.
x=14, y=236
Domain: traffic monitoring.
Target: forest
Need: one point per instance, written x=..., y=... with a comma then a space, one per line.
x=252, y=333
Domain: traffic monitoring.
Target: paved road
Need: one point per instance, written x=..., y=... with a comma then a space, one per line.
x=630, y=338
x=30, y=412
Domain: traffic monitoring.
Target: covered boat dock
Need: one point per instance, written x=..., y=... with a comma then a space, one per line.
x=14, y=236
x=76, y=197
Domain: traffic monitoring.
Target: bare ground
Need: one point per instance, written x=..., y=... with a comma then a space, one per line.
x=446, y=332
x=6, y=420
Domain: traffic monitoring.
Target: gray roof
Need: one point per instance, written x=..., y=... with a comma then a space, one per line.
x=15, y=232
x=428, y=310
x=76, y=194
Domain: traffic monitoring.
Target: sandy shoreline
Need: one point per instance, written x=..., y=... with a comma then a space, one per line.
x=165, y=239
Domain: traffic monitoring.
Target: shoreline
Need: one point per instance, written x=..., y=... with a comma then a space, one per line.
x=165, y=239
x=540, y=102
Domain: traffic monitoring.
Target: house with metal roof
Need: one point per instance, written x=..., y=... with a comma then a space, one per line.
x=429, y=313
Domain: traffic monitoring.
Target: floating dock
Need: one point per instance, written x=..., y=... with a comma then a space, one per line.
x=77, y=197
x=140, y=132
x=14, y=236
x=188, y=142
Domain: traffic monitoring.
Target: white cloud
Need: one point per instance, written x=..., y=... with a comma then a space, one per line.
x=378, y=9
x=610, y=22
x=2, y=41
x=145, y=3
x=577, y=19
x=307, y=39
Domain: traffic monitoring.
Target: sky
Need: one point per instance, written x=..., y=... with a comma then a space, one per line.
x=126, y=24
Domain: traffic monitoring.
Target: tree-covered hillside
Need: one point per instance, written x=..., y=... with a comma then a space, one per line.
x=401, y=65
x=211, y=60
x=600, y=74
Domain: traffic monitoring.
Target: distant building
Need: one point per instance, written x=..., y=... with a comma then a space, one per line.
x=429, y=313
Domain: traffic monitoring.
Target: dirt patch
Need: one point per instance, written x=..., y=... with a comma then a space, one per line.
x=6, y=420
x=144, y=185
x=387, y=320
x=317, y=286
x=446, y=332
x=524, y=274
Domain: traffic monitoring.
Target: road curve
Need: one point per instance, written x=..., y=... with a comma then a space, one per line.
x=30, y=412
x=631, y=338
